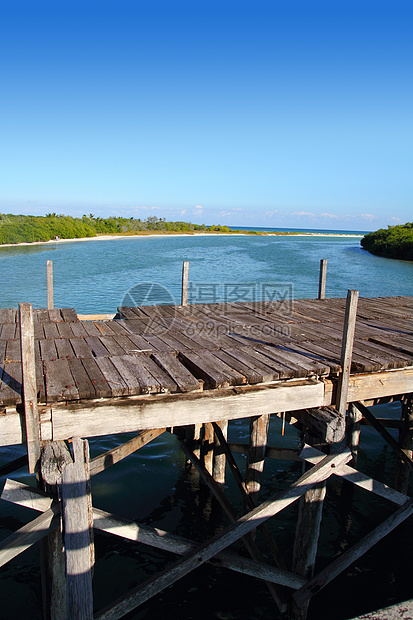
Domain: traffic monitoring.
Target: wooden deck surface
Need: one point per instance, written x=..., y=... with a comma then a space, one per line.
x=168, y=349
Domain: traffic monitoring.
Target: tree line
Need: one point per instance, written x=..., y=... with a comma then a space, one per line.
x=30, y=228
x=393, y=242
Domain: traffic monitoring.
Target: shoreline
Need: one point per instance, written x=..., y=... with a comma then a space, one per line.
x=183, y=234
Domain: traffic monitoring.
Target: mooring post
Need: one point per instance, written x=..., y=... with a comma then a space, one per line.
x=256, y=454
x=347, y=351
x=29, y=388
x=322, y=279
x=185, y=281
x=50, y=285
x=76, y=507
x=406, y=443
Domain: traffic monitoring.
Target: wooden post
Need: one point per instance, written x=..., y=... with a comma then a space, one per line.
x=29, y=389
x=207, y=448
x=306, y=540
x=75, y=508
x=322, y=279
x=55, y=457
x=49, y=284
x=353, y=431
x=185, y=280
x=406, y=443
x=347, y=351
x=256, y=454
x=218, y=470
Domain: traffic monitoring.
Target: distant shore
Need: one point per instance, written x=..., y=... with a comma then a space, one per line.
x=191, y=234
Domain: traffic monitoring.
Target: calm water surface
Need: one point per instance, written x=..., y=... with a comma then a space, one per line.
x=153, y=486
x=94, y=276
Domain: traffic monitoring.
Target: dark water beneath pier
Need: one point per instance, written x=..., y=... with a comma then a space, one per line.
x=153, y=487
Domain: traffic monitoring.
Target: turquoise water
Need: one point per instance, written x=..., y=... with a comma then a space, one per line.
x=94, y=276
x=153, y=486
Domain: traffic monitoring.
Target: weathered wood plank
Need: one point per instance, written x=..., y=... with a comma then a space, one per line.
x=179, y=374
x=60, y=384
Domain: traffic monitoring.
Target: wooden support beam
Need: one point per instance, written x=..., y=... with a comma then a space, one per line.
x=103, y=461
x=256, y=455
x=185, y=282
x=405, y=443
x=76, y=520
x=49, y=284
x=248, y=501
x=154, y=537
x=26, y=536
x=385, y=434
x=224, y=539
x=24, y=495
x=248, y=541
x=314, y=585
x=323, y=425
x=322, y=279
x=29, y=394
x=347, y=351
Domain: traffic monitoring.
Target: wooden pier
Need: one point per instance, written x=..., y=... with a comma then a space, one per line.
x=191, y=369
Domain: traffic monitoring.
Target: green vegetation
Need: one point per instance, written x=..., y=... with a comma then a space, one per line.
x=30, y=228
x=395, y=242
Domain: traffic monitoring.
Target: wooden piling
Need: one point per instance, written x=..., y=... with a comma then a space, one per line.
x=322, y=279
x=207, y=447
x=406, y=443
x=29, y=387
x=49, y=284
x=353, y=431
x=75, y=508
x=256, y=454
x=218, y=470
x=185, y=281
x=54, y=458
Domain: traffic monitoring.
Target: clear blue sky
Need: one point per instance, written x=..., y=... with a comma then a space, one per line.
x=290, y=113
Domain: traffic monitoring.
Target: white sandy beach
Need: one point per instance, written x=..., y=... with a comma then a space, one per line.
x=192, y=234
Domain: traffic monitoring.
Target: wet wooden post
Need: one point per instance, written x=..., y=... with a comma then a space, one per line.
x=322, y=279
x=76, y=510
x=50, y=285
x=256, y=454
x=185, y=281
x=406, y=443
x=29, y=388
x=218, y=470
